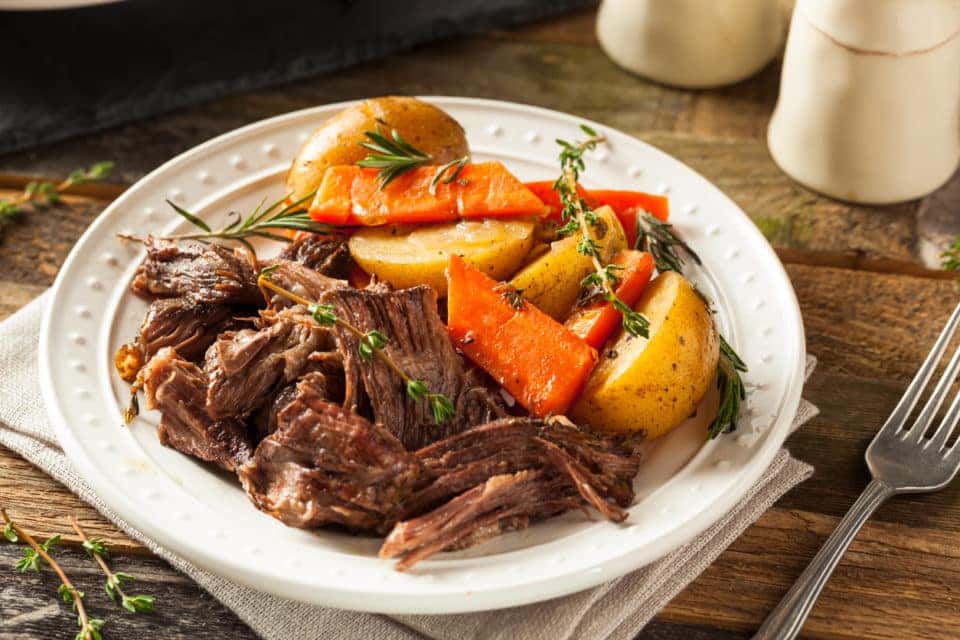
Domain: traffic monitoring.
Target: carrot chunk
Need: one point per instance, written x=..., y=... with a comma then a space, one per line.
x=351, y=195
x=598, y=321
x=626, y=204
x=535, y=358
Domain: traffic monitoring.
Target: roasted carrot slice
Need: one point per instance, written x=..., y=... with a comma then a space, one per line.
x=626, y=204
x=597, y=322
x=535, y=358
x=351, y=195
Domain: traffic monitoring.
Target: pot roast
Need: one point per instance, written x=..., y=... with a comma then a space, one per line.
x=319, y=436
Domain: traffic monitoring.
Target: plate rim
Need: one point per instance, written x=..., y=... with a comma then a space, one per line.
x=393, y=601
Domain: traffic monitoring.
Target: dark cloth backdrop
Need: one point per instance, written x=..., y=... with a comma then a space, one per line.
x=70, y=72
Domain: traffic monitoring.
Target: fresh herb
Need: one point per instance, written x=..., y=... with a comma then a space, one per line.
x=950, y=259
x=659, y=240
x=89, y=627
x=392, y=156
x=513, y=295
x=578, y=216
x=457, y=166
x=40, y=195
x=370, y=345
x=668, y=251
x=732, y=391
x=97, y=549
x=261, y=223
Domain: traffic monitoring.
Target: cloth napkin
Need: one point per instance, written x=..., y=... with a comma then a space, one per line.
x=617, y=610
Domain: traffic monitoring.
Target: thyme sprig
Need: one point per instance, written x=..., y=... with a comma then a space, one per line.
x=42, y=194
x=97, y=549
x=669, y=253
x=89, y=627
x=950, y=258
x=578, y=216
x=393, y=156
x=261, y=223
x=370, y=345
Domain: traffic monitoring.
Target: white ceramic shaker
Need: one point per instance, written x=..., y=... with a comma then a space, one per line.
x=869, y=106
x=691, y=43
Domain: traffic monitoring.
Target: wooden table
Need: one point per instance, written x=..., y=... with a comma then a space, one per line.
x=871, y=310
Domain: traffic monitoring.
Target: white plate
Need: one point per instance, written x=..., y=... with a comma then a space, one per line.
x=204, y=516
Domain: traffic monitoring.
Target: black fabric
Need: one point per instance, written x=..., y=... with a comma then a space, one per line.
x=74, y=71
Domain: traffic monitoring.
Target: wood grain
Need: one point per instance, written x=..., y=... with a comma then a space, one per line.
x=870, y=301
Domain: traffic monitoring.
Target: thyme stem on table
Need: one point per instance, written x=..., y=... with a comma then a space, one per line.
x=89, y=627
x=370, y=345
x=578, y=216
x=97, y=549
x=39, y=195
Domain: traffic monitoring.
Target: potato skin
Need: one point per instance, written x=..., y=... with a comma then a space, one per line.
x=653, y=384
x=336, y=141
x=406, y=256
x=552, y=281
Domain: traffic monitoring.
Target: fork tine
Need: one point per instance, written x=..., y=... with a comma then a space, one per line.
x=936, y=399
x=947, y=425
x=901, y=412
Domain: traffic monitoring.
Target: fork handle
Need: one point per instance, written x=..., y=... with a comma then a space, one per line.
x=786, y=620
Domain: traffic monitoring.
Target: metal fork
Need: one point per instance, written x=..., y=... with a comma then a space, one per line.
x=901, y=460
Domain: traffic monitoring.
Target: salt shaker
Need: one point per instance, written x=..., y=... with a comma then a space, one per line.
x=691, y=43
x=869, y=105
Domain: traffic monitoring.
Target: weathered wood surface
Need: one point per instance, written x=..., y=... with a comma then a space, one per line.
x=871, y=309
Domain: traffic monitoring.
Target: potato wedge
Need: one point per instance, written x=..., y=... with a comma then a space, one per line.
x=336, y=142
x=552, y=281
x=408, y=256
x=653, y=384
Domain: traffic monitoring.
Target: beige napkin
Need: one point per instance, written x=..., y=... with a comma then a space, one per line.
x=616, y=610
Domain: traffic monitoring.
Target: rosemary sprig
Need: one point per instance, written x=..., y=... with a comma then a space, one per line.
x=392, y=155
x=457, y=166
x=732, y=391
x=261, y=223
x=577, y=215
x=89, y=627
x=669, y=251
x=371, y=345
x=659, y=240
x=40, y=195
x=97, y=549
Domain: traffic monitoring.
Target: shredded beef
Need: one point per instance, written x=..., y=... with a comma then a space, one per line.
x=187, y=326
x=502, y=503
x=178, y=389
x=502, y=476
x=329, y=257
x=200, y=272
x=419, y=344
x=324, y=373
x=324, y=465
x=245, y=367
x=301, y=280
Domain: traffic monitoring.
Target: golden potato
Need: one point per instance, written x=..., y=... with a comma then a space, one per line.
x=408, y=256
x=552, y=281
x=653, y=384
x=336, y=142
